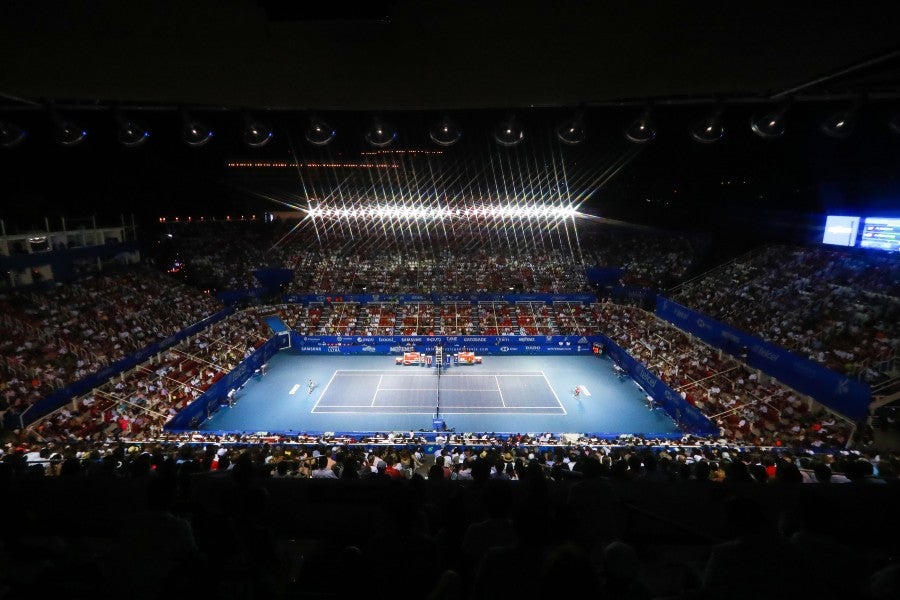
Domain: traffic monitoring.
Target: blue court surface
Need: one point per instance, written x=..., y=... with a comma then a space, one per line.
x=525, y=394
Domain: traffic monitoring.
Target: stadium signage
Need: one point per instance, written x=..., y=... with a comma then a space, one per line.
x=765, y=353
x=645, y=378
x=452, y=344
x=437, y=298
x=851, y=398
x=731, y=337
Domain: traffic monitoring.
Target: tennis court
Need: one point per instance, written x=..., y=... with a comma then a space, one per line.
x=426, y=392
x=364, y=393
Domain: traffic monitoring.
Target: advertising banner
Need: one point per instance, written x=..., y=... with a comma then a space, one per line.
x=840, y=393
x=483, y=344
x=438, y=298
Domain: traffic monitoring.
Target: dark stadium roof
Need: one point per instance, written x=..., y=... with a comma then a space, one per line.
x=415, y=54
x=477, y=60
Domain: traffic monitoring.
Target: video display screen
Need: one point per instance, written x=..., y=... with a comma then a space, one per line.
x=882, y=233
x=841, y=230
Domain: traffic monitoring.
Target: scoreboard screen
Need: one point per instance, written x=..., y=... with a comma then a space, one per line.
x=840, y=230
x=882, y=233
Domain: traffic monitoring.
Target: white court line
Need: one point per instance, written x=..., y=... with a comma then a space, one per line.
x=499, y=391
x=369, y=372
x=450, y=410
x=322, y=395
x=565, y=412
x=294, y=389
x=377, y=388
x=584, y=390
x=443, y=389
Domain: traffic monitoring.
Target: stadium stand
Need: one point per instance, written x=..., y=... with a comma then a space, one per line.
x=840, y=309
x=646, y=518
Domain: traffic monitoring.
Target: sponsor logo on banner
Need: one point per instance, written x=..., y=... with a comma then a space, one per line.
x=580, y=348
x=526, y=339
x=645, y=378
x=407, y=348
x=769, y=355
x=409, y=339
x=368, y=348
x=311, y=338
x=504, y=349
x=310, y=348
x=474, y=339
x=334, y=349
x=583, y=340
x=386, y=340
x=452, y=338
x=731, y=337
x=843, y=387
x=670, y=395
x=533, y=348
x=681, y=314
x=559, y=349
x=701, y=324
x=365, y=340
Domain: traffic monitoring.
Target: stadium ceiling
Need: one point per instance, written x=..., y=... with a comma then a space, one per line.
x=368, y=55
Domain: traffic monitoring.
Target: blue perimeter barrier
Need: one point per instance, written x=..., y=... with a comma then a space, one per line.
x=211, y=400
x=688, y=417
x=473, y=298
x=484, y=344
x=52, y=402
x=840, y=393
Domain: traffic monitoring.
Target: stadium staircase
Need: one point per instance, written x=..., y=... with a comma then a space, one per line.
x=398, y=321
x=438, y=320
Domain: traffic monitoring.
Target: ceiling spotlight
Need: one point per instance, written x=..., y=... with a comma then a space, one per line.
x=709, y=129
x=509, y=132
x=193, y=132
x=130, y=134
x=571, y=131
x=770, y=125
x=11, y=134
x=840, y=124
x=445, y=132
x=642, y=129
x=380, y=133
x=66, y=132
x=256, y=133
x=319, y=133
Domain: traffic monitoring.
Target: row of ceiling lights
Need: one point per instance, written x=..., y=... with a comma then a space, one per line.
x=445, y=132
